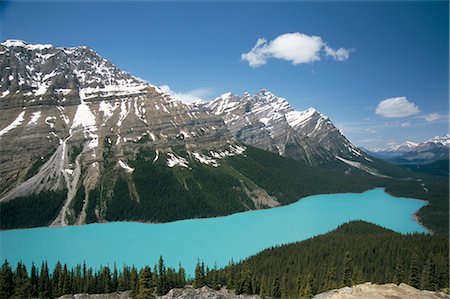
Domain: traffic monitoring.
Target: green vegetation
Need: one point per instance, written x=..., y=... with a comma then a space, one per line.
x=31, y=211
x=41, y=283
x=439, y=168
x=167, y=194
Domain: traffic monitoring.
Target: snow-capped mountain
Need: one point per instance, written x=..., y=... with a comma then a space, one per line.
x=434, y=149
x=269, y=122
x=69, y=114
x=97, y=144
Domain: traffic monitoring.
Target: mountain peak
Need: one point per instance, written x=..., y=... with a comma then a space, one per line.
x=20, y=43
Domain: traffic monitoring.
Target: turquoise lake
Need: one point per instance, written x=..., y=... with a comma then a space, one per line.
x=213, y=240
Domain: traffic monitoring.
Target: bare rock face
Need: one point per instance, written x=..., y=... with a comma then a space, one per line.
x=268, y=122
x=385, y=291
x=118, y=295
x=204, y=293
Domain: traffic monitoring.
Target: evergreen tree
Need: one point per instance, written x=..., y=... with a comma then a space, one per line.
x=431, y=277
x=399, y=272
x=145, y=284
x=115, y=279
x=358, y=276
x=348, y=269
x=181, y=276
x=44, y=285
x=57, y=272
x=6, y=281
x=414, y=274
x=199, y=279
x=307, y=291
x=263, y=289
x=275, y=289
x=22, y=282
x=134, y=283
x=230, y=275
x=215, y=284
x=161, y=284
x=84, y=279
x=34, y=280
x=245, y=283
x=65, y=281
x=331, y=280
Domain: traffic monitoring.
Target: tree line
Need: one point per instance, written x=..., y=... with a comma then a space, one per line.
x=43, y=283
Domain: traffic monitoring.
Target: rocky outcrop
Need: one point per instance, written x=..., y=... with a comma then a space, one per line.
x=118, y=295
x=385, y=291
x=204, y=293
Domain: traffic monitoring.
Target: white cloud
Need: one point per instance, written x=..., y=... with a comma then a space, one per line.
x=396, y=108
x=405, y=124
x=195, y=95
x=294, y=47
x=340, y=54
x=432, y=117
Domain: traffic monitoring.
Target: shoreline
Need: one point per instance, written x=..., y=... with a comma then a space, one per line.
x=417, y=219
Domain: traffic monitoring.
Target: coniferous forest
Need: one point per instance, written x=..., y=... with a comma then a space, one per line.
x=354, y=253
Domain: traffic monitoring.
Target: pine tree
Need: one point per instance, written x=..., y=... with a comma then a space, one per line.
x=430, y=277
x=6, y=281
x=57, y=290
x=145, y=284
x=263, y=288
x=115, y=279
x=399, y=273
x=358, y=276
x=199, y=278
x=181, y=276
x=134, y=283
x=230, y=275
x=84, y=284
x=22, y=282
x=348, y=269
x=414, y=274
x=161, y=284
x=245, y=283
x=34, y=280
x=275, y=289
x=65, y=281
x=307, y=291
x=330, y=280
x=44, y=285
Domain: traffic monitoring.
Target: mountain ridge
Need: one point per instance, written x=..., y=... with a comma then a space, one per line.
x=92, y=138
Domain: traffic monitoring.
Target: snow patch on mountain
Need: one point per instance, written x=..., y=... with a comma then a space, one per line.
x=361, y=167
x=17, y=122
x=125, y=166
x=175, y=160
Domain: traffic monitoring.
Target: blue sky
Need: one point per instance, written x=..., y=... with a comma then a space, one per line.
x=396, y=50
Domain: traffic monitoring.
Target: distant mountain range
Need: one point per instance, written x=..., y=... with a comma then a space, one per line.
x=431, y=156
x=432, y=150
x=91, y=143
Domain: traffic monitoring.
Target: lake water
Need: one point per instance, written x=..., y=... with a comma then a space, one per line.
x=214, y=240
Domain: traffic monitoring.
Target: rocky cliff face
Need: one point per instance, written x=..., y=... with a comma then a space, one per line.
x=268, y=122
